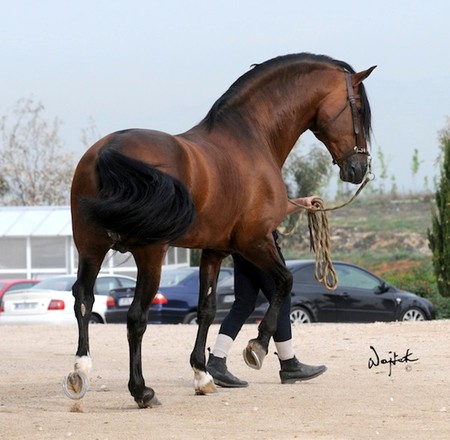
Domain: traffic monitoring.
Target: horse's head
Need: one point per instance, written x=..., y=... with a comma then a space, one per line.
x=343, y=125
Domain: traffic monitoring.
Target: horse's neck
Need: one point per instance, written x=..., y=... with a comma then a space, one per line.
x=285, y=118
x=269, y=115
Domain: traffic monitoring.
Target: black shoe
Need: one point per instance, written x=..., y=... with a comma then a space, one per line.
x=217, y=368
x=292, y=370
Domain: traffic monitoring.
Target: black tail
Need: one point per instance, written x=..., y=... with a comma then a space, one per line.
x=137, y=201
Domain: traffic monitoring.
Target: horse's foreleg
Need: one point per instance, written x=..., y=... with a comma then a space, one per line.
x=257, y=348
x=76, y=383
x=148, y=261
x=206, y=311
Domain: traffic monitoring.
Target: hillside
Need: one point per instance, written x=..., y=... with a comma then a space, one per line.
x=378, y=233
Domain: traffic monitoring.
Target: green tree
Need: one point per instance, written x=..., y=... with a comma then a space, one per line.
x=439, y=235
x=304, y=175
x=415, y=163
x=34, y=170
x=383, y=174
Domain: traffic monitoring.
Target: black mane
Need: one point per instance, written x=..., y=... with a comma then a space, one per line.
x=308, y=61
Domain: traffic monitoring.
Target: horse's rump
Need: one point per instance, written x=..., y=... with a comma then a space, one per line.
x=137, y=201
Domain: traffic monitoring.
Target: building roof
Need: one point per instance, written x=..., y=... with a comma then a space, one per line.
x=35, y=221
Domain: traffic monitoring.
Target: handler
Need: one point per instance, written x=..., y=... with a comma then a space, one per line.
x=248, y=280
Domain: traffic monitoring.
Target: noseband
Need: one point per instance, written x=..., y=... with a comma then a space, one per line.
x=359, y=135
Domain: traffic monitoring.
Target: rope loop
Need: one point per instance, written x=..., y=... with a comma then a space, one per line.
x=319, y=238
x=319, y=233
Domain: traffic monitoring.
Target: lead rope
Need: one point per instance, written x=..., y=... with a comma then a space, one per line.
x=319, y=236
x=319, y=239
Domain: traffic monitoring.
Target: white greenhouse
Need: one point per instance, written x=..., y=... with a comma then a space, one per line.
x=36, y=242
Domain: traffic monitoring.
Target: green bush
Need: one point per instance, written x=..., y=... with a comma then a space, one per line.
x=421, y=280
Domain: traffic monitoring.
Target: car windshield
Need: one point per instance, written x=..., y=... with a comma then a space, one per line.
x=63, y=283
x=174, y=277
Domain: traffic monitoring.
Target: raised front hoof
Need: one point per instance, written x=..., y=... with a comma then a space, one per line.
x=254, y=354
x=148, y=400
x=75, y=385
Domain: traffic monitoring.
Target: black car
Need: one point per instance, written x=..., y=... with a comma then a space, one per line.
x=359, y=297
x=177, y=297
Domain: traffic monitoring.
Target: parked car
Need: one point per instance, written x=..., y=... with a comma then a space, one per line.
x=7, y=285
x=177, y=298
x=51, y=302
x=360, y=297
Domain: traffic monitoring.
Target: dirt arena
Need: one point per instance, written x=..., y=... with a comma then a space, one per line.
x=350, y=401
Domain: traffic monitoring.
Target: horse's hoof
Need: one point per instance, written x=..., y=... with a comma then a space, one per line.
x=149, y=399
x=254, y=354
x=75, y=385
x=209, y=388
x=203, y=383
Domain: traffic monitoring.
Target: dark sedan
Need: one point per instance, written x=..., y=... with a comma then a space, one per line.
x=177, y=297
x=359, y=297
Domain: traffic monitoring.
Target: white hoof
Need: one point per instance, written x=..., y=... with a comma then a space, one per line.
x=83, y=364
x=203, y=383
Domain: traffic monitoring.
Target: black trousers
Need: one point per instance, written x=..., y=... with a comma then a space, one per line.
x=248, y=280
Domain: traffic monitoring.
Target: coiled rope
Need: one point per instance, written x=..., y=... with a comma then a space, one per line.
x=319, y=238
x=319, y=235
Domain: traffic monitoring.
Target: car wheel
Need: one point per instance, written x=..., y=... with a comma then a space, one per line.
x=414, y=314
x=299, y=315
x=190, y=318
x=95, y=319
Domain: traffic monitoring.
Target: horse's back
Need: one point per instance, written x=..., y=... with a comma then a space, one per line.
x=227, y=185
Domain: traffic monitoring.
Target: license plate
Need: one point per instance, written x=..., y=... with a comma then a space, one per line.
x=26, y=306
x=125, y=301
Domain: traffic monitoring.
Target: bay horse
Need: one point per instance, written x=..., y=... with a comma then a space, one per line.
x=217, y=187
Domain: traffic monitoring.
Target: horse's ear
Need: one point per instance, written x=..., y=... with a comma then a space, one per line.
x=359, y=77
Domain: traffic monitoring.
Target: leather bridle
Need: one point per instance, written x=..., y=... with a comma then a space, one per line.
x=359, y=134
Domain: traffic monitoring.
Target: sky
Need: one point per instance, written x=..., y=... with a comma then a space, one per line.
x=162, y=64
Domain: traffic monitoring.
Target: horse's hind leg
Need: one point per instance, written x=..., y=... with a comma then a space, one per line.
x=206, y=311
x=75, y=384
x=148, y=260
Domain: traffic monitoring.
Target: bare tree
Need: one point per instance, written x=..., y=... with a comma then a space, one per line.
x=34, y=169
x=90, y=133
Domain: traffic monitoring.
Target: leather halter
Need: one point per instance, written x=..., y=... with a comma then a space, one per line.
x=359, y=134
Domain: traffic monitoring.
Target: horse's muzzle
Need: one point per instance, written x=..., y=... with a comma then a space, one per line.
x=354, y=168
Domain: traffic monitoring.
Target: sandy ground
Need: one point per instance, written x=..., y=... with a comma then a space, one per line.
x=350, y=401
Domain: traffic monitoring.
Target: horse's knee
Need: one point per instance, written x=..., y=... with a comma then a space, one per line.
x=269, y=324
x=206, y=316
x=207, y=310
x=136, y=321
x=84, y=299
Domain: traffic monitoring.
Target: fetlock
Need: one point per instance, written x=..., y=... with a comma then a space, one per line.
x=217, y=368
